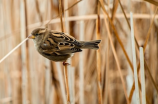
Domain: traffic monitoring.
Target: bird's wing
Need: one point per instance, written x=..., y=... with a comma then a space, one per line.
x=67, y=48
x=68, y=51
x=59, y=43
x=63, y=48
x=64, y=37
x=61, y=37
x=50, y=46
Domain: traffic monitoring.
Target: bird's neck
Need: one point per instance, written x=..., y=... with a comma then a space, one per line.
x=37, y=44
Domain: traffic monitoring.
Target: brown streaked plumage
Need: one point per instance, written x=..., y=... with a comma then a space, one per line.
x=59, y=46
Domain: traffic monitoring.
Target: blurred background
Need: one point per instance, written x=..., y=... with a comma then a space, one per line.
x=28, y=78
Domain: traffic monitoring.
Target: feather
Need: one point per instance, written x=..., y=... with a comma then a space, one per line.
x=62, y=37
x=68, y=51
x=65, y=45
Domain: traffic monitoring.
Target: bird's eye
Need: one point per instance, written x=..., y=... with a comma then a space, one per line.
x=36, y=34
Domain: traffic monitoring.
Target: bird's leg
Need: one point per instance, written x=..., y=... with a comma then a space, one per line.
x=65, y=63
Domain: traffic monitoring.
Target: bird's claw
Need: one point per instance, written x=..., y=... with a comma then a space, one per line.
x=65, y=63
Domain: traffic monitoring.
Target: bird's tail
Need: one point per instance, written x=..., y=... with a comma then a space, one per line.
x=90, y=44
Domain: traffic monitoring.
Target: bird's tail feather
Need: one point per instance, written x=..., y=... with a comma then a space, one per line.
x=90, y=44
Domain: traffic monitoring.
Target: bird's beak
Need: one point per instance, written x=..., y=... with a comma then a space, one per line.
x=31, y=37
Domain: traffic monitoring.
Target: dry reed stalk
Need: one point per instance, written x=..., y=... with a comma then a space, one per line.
x=133, y=86
x=149, y=31
x=66, y=14
x=134, y=61
x=5, y=78
x=27, y=55
x=38, y=11
x=12, y=16
x=114, y=9
x=76, y=18
x=71, y=84
x=60, y=14
x=81, y=56
x=70, y=69
x=124, y=14
x=81, y=66
x=116, y=34
x=47, y=11
x=107, y=73
x=66, y=82
x=98, y=56
x=47, y=81
x=48, y=94
x=145, y=44
x=86, y=17
x=142, y=75
x=117, y=61
x=61, y=82
x=107, y=67
x=132, y=91
x=147, y=67
x=24, y=72
x=10, y=10
x=13, y=50
x=72, y=5
x=65, y=66
x=94, y=16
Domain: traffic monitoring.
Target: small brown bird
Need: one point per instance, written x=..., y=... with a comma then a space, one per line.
x=59, y=46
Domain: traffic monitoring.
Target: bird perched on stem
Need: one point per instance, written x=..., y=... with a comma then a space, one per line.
x=59, y=46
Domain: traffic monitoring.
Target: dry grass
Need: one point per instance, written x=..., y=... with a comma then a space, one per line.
x=104, y=76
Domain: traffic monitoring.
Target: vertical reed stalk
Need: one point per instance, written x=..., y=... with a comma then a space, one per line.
x=145, y=44
x=24, y=72
x=81, y=66
x=117, y=37
x=114, y=10
x=116, y=34
x=98, y=55
x=107, y=66
x=116, y=58
x=71, y=84
x=107, y=73
x=66, y=16
x=66, y=82
x=134, y=60
x=60, y=14
x=142, y=75
x=70, y=69
x=47, y=82
x=65, y=66
x=61, y=82
x=81, y=55
x=38, y=11
x=27, y=55
x=149, y=31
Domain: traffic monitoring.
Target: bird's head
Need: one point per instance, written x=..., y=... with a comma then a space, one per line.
x=37, y=34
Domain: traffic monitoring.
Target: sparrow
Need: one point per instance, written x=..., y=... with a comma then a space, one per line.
x=59, y=46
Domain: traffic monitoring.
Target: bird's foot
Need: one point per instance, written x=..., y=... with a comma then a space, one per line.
x=65, y=63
